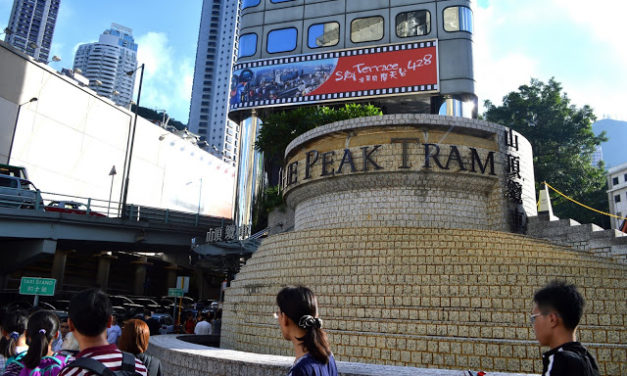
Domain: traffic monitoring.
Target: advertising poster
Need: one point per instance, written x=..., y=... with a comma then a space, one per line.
x=399, y=69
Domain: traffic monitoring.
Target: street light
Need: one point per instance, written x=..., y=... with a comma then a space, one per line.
x=131, y=141
x=112, y=173
x=56, y=59
x=17, y=117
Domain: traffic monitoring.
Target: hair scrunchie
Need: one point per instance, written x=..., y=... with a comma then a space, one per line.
x=42, y=331
x=14, y=335
x=308, y=321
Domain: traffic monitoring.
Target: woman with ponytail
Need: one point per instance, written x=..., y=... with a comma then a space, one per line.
x=14, y=349
x=300, y=324
x=40, y=359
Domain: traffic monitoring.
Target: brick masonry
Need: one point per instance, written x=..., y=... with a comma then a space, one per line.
x=416, y=267
x=458, y=196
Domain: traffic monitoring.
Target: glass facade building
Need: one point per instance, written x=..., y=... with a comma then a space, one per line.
x=107, y=62
x=31, y=27
x=210, y=92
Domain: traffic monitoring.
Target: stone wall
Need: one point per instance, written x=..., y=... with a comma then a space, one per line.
x=426, y=297
x=408, y=170
x=187, y=359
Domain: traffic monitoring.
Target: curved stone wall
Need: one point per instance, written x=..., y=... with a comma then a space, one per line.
x=426, y=297
x=402, y=228
x=409, y=170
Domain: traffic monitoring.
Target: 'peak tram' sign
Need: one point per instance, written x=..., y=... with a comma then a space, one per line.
x=400, y=154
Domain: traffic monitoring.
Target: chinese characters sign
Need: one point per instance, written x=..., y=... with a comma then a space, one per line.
x=335, y=76
x=37, y=286
x=231, y=232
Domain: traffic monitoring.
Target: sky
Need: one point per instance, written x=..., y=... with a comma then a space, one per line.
x=580, y=45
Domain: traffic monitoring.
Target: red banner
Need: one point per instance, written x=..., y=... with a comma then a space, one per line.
x=399, y=69
x=382, y=70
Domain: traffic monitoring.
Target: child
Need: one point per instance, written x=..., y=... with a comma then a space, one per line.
x=40, y=359
x=13, y=329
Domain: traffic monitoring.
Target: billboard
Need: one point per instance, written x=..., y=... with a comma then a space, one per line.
x=398, y=69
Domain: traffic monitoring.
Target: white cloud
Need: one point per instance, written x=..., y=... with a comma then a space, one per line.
x=515, y=42
x=167, y=81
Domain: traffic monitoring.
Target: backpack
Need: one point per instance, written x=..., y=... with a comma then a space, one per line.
x=128, y=366
x=58, y=363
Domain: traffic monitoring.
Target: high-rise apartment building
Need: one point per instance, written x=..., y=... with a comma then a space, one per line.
x=617, y=193
x=212, y=72
x=107, y=62
x=31, y=27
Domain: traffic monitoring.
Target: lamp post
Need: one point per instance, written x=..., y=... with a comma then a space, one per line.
x=17, y=117
x=112, y=173
x=131, y=142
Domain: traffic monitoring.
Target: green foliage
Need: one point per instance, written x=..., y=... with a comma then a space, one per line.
x=269, y=200
x=280, y=128
x=563, y=142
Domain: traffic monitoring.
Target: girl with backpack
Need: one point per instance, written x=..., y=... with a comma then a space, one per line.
x=14, y=349
x=40, y=359
x=299, y=322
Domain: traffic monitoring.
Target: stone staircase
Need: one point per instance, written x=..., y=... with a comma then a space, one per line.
x=586, y=237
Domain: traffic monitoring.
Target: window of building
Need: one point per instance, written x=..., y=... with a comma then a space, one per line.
x=282, y=40
x=411, y=24
x=458, y=19
x=323, y=35
x=247, y=45
x=615, y=180
x=625, y=178
x=249, y=3
x=367, y=29
x=617, y=198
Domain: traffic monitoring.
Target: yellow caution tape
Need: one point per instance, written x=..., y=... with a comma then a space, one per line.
x=584, y=205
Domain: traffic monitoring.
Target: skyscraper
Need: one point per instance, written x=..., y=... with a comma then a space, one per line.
x=107, y=62
x=31, y=27
x=212, y=72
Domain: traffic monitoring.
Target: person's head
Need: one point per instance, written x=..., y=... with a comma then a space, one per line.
x=135, y=337
x=41, y=330
x=64, y=328
x=147, y=313
x=558, y=307
x=13, y=327
x=299, y=322
x=90, y=313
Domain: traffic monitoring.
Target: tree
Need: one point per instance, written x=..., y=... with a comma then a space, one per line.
x=563, y=142
x=280, y=128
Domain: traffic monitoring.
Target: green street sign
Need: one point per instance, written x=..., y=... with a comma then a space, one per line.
x=176, y=292
x=37, y=286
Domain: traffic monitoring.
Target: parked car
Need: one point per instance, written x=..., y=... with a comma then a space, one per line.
x=19, y=193
x=71, y=207
x=130, y=309
x=148, y=303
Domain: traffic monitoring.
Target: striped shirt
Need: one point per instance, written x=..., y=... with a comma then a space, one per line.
x=108, y=355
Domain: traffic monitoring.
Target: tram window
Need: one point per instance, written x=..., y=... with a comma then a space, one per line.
x=282, y=40
x=279, y=1
x=323, y=35
x=458, y=19
x=411, y=24
x=366, y=29
x=247, y=45
x=249, y=3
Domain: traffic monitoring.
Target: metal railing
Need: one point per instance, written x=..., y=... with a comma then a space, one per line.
x=55, y=202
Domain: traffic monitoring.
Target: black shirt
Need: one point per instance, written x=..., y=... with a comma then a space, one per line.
x=569, y=359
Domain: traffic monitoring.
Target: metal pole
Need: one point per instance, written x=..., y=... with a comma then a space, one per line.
x=199, y=195
x=130, y=154
x=17, y=118
x=110, y=194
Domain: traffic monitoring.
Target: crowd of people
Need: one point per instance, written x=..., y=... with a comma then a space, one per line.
x=90, y=342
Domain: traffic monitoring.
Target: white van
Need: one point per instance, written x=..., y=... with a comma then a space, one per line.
x=16, y=192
